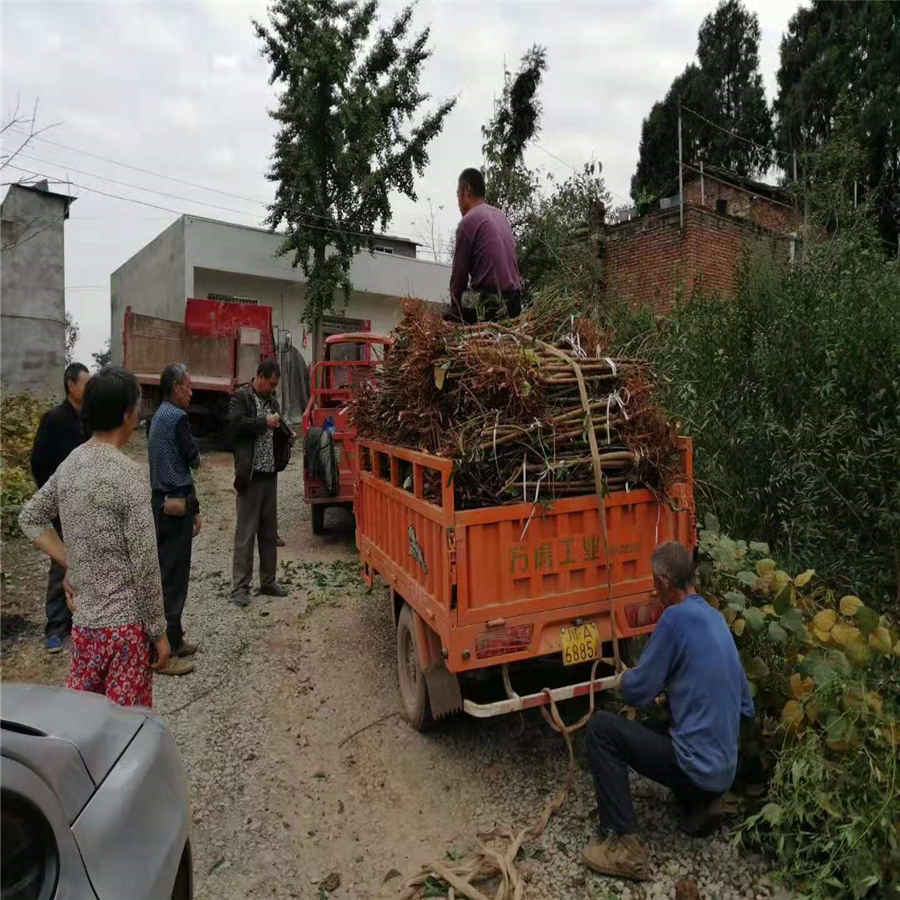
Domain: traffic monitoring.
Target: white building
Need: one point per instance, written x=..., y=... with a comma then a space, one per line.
x=198, y=257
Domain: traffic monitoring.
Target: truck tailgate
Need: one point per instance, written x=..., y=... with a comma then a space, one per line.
x=523, y=559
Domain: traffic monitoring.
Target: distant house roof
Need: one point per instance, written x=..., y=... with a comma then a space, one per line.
x=771, y=191
x=371, y=237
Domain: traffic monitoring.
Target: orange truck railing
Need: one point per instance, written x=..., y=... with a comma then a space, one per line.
x=496, y=585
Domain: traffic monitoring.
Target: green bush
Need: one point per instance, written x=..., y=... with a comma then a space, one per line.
x=20, y=415
x=791, y=393
x=824, y=674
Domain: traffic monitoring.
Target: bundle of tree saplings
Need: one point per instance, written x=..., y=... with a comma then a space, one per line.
x=502, y=400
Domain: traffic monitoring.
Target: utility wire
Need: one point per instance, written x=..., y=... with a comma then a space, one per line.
x=177, y=212
x=193, y=184
x=734, y=133
x=569, y=165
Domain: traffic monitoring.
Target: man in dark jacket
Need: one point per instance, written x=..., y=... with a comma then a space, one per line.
x=176, y=513
x=60, y=432
x=255, y=419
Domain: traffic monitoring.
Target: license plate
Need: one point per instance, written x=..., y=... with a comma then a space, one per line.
x=580, y=643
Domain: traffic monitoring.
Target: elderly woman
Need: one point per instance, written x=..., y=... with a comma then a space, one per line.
x=112, y=568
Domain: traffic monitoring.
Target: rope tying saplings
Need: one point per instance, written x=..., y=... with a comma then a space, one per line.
x=504, y=402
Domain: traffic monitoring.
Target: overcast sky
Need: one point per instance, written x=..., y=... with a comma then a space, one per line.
x=180, y=88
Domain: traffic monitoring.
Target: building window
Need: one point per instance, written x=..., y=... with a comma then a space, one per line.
x=229, y=298
x=380, y=248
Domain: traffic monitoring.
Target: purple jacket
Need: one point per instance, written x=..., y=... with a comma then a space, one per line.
x=486, y=252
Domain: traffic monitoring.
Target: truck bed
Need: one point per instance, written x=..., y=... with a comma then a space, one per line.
x=497, y=584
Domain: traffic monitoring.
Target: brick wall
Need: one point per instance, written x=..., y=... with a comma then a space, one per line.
x=649, y=261
x=773, y=215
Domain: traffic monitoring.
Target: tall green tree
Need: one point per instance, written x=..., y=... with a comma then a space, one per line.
x=346, y=137
x=511, y=185
x=725, y=97
x=851, y=51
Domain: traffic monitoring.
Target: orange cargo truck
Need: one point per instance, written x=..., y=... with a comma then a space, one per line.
x=504, y=589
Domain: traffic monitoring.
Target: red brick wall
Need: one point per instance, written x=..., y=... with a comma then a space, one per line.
x=649, y=261
x=773, y=215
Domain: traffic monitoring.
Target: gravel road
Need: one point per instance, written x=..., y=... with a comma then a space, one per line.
x=287, y=803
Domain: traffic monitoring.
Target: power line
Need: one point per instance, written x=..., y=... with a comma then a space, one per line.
x=570, y=166
x=136, y=187
x=193, y=184
x=734, y=133
x=177, y=212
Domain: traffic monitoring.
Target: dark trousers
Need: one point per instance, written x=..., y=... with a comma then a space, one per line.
x=59, y=616
x=257, y=522
x=615, y=745
x=491, y=305
x=174, y=541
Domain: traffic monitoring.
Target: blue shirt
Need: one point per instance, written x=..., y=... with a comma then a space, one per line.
x=172, y=449
x=693, y=656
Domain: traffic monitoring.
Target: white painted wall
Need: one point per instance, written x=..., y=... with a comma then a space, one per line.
x=236, y=248
x=197, y=256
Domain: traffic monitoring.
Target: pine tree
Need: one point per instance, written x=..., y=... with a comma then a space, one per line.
x=725, y=91
x=511, y=185
x=841, y=56
x=345, y=138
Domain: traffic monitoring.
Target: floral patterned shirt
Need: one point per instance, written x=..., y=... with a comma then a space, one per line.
x=103, y=500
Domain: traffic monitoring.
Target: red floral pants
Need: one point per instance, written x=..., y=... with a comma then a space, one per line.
x=112, y=661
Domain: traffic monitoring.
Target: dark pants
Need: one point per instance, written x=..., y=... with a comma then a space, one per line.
x=257, y=522
x=490, y=307
x=614, y=745
x=174, y=540
x=59, y=616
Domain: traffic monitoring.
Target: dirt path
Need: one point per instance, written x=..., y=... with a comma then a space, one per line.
x=284, y=799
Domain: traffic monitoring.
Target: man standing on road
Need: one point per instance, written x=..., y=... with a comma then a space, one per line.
x=691, y=655
x=176, y=512
x=484, y=283
x=254, y=418
x=60, y=432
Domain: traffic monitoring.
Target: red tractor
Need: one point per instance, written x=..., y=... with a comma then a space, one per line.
x=331, y=458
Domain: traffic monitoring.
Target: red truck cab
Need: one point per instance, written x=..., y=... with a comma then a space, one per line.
x=221, y=343
x=349, y=358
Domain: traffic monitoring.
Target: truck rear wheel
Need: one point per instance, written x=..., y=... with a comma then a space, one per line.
x=318, y=518
x=413, y=690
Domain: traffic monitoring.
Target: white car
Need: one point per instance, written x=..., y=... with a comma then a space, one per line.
x=94, y=800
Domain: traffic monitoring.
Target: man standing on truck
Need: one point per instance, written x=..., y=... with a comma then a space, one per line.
x=60, y=432
x=255, y=417
x=173, y=453
x=691, y=655
x=484, y=283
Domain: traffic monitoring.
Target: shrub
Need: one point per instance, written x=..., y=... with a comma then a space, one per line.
x=20, y=415
x=823, y=670
x=791, y=393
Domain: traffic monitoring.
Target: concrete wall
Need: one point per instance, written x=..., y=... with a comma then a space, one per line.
x=152, y=282
x=195, y=257
x=32, y=292
x=236, y=248
x=287, y=300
